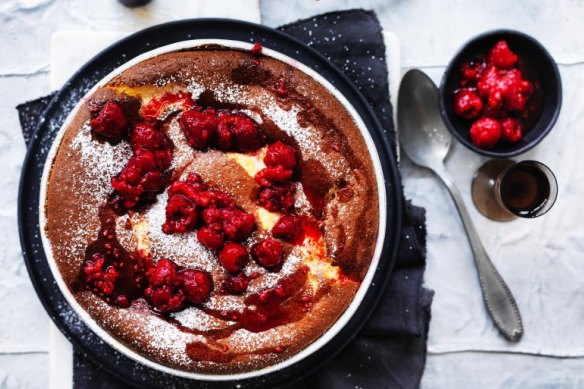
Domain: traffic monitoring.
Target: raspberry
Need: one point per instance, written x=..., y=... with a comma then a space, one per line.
x=281, y=89
x=237, y=225
x=163, y=274
x=108, y=284
x=211, y=198
x=199, y=128
x=169, y=289
x=277, y=198
x=164, y=291
x=211, y=215
x=142, y=176
x=245, y=134
x=196, y=284
x=268, y=252
x=181, y=215
x=273, y=174
x=145, y=137
x=93, y=266
x=287, y=198
x=502, y=56
x=110, y=121
x=512, y=130
x=256, y=49
x=485, y=133
x=490, y=86
x=122, y=301
x=220, y=199
x=472, y=71
x=182, y=188
x=211, y=236
x=467, y=104
x=224, y=138
x=505, y=88
x=268, y=296
x=288, y=228
x=269, y=199
x=165, y=298
x=100, y=280
x=194, y=179
x=235, y=284
x=233, y=257
x=279, y=153
x=196, y=191
x=516, y=90
x=138, y=180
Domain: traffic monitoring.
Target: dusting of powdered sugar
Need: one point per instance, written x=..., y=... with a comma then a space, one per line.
x=269, y=280
x=196, y=319
x=301, y=203
x=250, y=341
x=182, y=153
x=225, y=303
x=165, y=338
x=254, y=115
x=234, y=94
x=195, y=89
x=102, y=161
x=164, y=81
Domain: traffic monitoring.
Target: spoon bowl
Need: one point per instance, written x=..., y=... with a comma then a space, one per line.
x=429, y=144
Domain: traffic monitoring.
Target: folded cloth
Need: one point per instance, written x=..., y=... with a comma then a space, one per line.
x=29, y=114
x=390, y=351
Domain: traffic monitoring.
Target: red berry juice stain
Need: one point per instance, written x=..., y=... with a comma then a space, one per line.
x=157, y=106
x=131, y=267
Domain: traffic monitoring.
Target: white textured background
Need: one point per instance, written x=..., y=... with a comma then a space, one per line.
x=542, y=260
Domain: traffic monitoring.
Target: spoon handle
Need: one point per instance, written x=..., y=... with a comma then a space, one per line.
x=498, y=299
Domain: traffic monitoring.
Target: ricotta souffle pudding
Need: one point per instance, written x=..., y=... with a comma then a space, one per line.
x=213, y=210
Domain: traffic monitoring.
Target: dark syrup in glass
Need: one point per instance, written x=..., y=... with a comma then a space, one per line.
x=525, y=190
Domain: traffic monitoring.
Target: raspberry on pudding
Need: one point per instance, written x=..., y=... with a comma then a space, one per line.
x=233, y=257
x=268, y=252
x=199, y=127
x=111, y=121
x=214, y=210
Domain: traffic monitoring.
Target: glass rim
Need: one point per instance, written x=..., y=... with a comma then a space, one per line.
x=547, y=204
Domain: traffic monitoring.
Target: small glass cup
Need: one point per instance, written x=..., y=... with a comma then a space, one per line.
x=503, y=190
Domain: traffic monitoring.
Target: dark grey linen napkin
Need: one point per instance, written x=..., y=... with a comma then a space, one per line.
x=390, y=352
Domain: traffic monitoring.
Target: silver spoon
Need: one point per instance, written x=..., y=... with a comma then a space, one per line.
x=426, y=141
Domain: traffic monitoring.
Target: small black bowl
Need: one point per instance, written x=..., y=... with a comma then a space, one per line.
x=540, y=67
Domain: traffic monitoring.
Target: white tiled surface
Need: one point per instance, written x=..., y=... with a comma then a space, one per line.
x=541, y=259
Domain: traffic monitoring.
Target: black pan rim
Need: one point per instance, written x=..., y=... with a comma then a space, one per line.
x=291, y=374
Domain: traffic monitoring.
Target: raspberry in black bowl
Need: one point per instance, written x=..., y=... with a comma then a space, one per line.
x=501, y=94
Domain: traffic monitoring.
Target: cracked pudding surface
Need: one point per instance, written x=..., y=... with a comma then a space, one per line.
x=130, y=223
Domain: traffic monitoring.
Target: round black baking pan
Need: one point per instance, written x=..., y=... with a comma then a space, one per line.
x=64, y=101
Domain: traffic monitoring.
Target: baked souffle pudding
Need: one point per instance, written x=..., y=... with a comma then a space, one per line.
x=214, y=210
